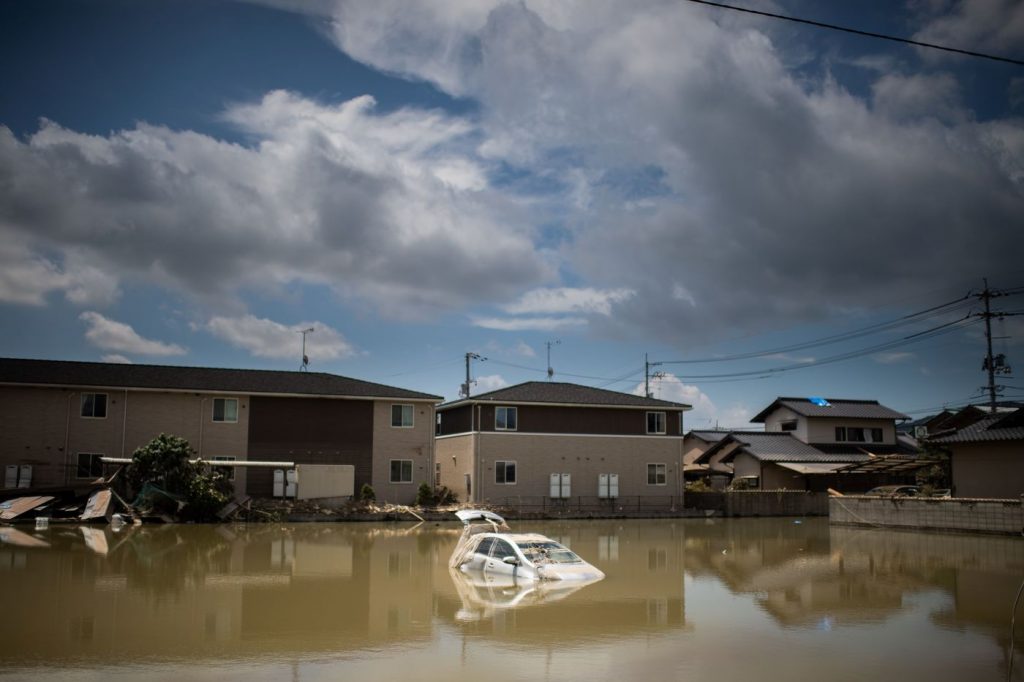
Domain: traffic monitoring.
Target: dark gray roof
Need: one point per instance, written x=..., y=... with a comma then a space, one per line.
x=778, y=447
x=568, y=394
x=837, y=407
x=999, y=427
x=708, y=436
x=113, y=375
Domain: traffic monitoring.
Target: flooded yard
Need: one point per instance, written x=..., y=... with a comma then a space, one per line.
x=745, y=599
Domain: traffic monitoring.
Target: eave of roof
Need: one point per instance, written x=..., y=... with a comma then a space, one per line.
x=546, y=393
x=98, y=375
x=838, y=407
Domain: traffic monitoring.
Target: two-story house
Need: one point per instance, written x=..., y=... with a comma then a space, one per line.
x=59, y=419
x=813, y=444
x=558, y=441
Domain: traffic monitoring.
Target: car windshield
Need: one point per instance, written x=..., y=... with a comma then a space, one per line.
x=553, y=552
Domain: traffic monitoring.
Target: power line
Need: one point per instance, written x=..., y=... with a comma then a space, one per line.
x=869, y=34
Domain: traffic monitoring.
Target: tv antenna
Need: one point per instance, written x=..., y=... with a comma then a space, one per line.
x=304, y=367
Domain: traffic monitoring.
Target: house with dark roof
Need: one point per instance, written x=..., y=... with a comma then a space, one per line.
x=695, y=444
x=541, y=441
x=987, y=455
x=814, y=444
x=58, y=419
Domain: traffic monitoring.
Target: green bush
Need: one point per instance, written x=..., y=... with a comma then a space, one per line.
x=425, y=496
x=164, y=464
x=366, y=493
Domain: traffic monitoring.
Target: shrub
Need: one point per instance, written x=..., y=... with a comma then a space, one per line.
x=425, y=496
x=164, y=464
x=366, y=493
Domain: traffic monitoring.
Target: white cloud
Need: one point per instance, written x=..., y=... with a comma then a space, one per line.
x=525, y=350
x=568, y=300
x=705, y=414
x=992, y=26
x=116, y=358
x=491, y=382
x=27, y=278
x=893, y=357
x=268, y=339
x=518, y=324
x=111, y=335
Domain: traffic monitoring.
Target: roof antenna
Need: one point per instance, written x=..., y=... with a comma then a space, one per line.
x=551, y=372
x=304, y=367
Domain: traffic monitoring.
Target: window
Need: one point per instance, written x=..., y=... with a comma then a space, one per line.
x=876, y=435
x=854, y=434
x=89, y=465
x=655, y=422
x=505, y=473
x=484, y=547
x=401, y=471
x=94, y=405
x=656, y=474
x=401, y=416
x=840, y=433
x=789, y=425
x=501, y=549
x=229, y=472
x=505, y=418
x=225, y=409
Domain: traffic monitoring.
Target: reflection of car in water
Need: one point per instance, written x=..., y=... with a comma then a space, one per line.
x=485, y=547
x=483, y=594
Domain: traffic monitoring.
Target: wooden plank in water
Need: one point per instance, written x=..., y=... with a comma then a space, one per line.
x=12, y=509
x=98, y=506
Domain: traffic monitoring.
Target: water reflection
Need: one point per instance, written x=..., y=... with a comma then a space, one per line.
x=679, y=598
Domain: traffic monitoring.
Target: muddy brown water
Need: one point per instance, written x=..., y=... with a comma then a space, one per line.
x=744, y=599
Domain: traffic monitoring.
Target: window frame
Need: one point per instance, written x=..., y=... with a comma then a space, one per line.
x=411, y=412
x=504, y=467
x=106, y=403
x=93, y=461
x=401, y=471
x=840, y=434
x=213, y=411
x=659, y=417
x=663, y=470
x=877, y=434
x=788, y=425
x=508, y=409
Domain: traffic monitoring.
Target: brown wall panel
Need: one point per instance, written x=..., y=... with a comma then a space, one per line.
x=591, y=420
x=457, y=420
x=309, y=431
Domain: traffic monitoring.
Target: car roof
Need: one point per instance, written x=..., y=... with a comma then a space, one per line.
x=519, y=537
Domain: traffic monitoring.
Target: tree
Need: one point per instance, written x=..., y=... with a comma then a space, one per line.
x=193, y=490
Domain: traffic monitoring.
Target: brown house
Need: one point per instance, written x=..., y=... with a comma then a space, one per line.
x=987, y=456
x=57, y=419
x=559, y=441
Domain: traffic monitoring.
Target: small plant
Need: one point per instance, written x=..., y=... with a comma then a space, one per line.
x=445, y=496
x=366, y=494
x=425, y=496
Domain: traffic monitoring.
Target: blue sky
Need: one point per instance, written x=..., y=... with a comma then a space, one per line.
x=192, y=182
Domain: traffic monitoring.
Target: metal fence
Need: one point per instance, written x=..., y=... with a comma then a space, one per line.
x=623, y=505
x=760, y=502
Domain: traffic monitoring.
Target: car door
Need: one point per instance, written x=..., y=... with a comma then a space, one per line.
x=496, y=561
x=478, y=561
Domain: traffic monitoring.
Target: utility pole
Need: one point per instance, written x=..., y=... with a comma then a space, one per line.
x=648, y=376
x=993, y=364
x=464, y=390
x=551, y=372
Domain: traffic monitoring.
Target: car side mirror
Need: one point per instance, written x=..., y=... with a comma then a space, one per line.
x=511, y=561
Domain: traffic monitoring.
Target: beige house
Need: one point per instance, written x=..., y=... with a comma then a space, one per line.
x=58, y=419
x=987, y=457
x=545, y=442
x=813, y=444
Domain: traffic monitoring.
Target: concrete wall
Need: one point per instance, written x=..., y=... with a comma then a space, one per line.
x=584, y=458
x=988, y=469
x=956, y=514
x=402, y=443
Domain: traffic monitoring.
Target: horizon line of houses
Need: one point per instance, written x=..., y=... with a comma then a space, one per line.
x=538, y=439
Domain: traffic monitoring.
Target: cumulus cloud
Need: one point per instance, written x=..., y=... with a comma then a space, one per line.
x=491, y=382
x=111, y=335
x=705, y=414
x=27, y=278
x=391, y=210
x=269, y=339
x=518, y=324
x=567, y=300
x=993, y=26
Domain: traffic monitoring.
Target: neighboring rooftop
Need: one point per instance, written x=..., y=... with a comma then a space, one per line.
x=777, y=446
x=553, y=392
x=113, y=375
x=998, y=427
x=832, y=407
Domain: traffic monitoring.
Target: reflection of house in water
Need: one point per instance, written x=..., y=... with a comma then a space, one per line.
x=814, y=575
x=642, y=592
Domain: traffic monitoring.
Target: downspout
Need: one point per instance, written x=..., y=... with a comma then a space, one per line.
x=124, y=422
x=476, y=456
x=67, y=441
x=201, y=420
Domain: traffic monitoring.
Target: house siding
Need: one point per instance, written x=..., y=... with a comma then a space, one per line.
x=407, y=443
x=992, y=469
x=583, y=457
x=457, y=457
x=570, y=419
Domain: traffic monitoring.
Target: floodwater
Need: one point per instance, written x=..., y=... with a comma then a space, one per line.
x=741, y=599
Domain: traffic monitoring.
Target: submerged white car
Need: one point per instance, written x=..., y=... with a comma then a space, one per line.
x=485, y=546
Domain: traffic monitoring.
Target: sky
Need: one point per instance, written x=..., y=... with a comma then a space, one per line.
x=756, y=207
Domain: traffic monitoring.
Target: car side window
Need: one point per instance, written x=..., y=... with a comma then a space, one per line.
x=485, y=546
x=502, y=549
